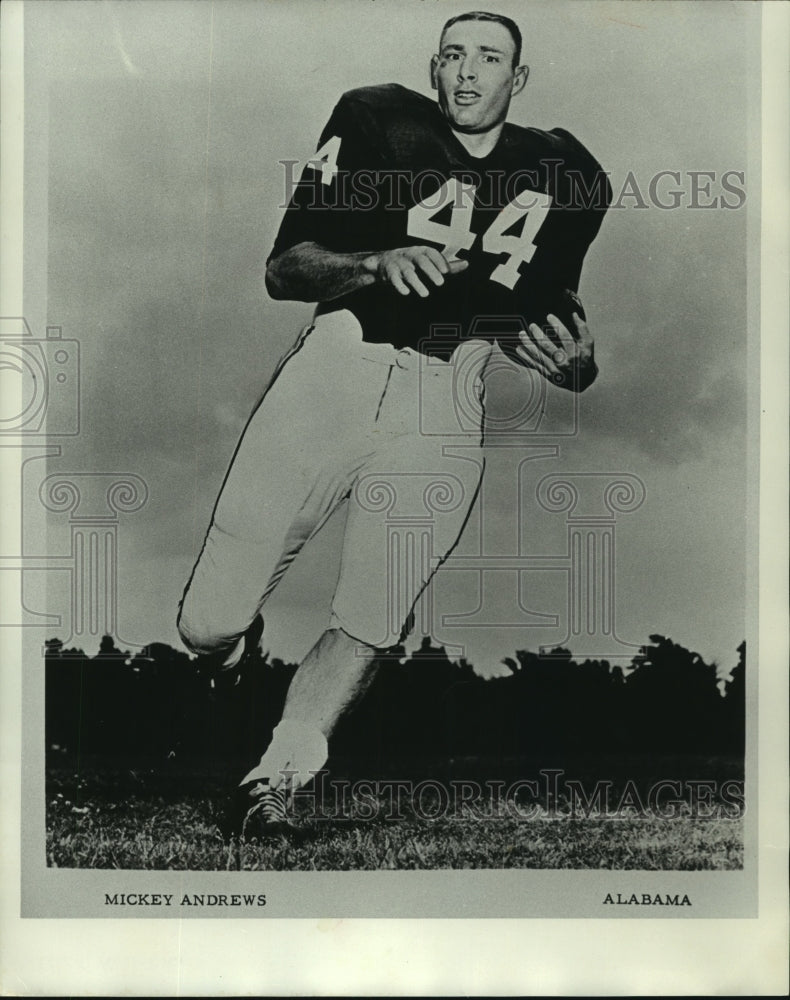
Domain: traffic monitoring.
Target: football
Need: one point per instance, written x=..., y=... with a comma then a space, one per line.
x=562, y=304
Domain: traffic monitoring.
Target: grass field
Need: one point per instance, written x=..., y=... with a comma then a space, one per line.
x=95, y=821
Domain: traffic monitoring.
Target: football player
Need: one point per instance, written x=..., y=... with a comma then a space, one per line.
x=431, y=235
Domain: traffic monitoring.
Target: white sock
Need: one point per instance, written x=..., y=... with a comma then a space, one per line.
x=295, y=747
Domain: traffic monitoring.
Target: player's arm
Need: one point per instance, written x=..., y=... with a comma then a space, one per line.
x=319, y=254
x=308, y=272
x=563, y=351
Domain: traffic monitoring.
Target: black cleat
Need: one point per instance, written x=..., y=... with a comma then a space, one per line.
x=256, y=809
x=268, y=814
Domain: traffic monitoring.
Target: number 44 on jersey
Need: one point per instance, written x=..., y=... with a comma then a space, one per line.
x=458, y=235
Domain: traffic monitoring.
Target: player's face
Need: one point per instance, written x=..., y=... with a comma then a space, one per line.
x=474, y=75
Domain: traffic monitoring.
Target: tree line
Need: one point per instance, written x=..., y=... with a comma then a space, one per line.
x=161, y=704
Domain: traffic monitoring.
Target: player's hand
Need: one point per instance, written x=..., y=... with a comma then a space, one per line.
x=566, y=359
x=413, y=269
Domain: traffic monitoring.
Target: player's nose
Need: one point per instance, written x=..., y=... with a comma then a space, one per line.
x=466, y=71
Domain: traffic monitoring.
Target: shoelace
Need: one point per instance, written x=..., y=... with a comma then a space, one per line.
x=271, y=807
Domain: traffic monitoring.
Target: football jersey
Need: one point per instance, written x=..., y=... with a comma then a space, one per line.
x=389, y=172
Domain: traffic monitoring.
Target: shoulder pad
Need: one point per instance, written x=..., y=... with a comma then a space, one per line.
x=571, y=144
x=390, y=97
x=555, y=143
x=407, y=129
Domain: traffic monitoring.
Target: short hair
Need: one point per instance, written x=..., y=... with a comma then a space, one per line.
x=484, y=15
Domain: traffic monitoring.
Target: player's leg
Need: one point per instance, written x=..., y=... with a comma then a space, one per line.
x=408, y=483
x=289, y=472
x=407, y=468
x=329, y=682
x=380, y=582
x=409, y=477
x=224, y=590
x=411, y=500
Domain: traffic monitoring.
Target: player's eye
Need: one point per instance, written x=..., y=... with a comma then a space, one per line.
x=493, y=59
x=451, y=56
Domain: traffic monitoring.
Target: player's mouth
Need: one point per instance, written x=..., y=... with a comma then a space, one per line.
x=466, y=97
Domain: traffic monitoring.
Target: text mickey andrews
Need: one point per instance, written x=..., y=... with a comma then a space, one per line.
x=187, y=899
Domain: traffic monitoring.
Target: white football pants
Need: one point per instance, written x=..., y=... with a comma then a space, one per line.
x=394, y=433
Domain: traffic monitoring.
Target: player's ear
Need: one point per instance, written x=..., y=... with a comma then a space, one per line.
x=519, y=80
x=434, y=70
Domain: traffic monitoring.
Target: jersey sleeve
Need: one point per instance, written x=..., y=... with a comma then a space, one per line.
x=333, y=185
x=580, y=195
x=589, y=192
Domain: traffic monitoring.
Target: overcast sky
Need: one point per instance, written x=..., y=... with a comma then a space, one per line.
x=166, y=124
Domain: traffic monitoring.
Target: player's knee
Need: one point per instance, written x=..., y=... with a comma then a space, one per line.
x=189, y=636
x=372, y=642
x=200, y=637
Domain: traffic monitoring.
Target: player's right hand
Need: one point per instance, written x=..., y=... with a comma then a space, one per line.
x=409, y=269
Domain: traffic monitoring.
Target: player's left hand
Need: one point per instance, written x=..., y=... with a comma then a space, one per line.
x=566, y=359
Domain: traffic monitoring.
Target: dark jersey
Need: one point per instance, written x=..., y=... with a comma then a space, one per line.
x=389, y=172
